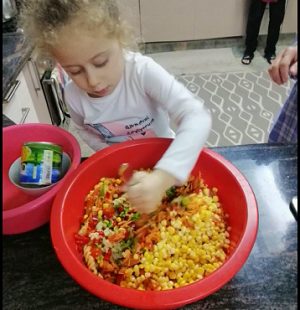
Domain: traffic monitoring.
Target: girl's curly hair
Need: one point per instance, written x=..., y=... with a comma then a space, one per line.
x=42, y=20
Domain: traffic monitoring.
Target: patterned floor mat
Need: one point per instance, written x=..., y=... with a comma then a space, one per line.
x=243, y=105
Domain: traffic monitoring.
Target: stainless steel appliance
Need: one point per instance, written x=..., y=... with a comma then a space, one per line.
x=9, y=10
x=54, y=95
x=294, y=207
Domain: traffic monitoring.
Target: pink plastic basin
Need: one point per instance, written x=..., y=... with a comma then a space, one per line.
x=20, y=211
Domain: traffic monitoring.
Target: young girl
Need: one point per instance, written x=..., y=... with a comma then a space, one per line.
x=115, y=94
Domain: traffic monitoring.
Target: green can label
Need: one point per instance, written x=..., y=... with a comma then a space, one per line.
x=40, y=163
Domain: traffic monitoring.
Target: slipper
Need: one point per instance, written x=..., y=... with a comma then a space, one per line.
x=270, y=57
x=247, y=58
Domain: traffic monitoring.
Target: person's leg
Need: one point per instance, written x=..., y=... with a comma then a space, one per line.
x=277, y=11
x=255, y=15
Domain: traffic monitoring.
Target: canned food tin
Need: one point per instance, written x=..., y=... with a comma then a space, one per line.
x=40, y=164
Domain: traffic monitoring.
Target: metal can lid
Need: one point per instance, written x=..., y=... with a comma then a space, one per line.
x=32, y=143
x=41, y=142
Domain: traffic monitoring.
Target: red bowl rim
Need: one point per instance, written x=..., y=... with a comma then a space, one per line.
x=168, y=299
x=36, y=203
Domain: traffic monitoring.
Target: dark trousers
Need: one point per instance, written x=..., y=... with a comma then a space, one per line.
x=256, y=12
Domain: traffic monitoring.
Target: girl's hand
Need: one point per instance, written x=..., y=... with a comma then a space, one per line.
x=285, y=62
x=145, y=190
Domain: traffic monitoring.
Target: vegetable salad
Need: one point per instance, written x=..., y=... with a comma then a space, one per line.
x=186, y=239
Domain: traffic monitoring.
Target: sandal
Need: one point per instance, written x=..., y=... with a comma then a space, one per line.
x=247, y=58
x=270, y=57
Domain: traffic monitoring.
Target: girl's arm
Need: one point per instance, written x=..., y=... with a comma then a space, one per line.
x=189, y=114
x=90, y=138
x=194, y=122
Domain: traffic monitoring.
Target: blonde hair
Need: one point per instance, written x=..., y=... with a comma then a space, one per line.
x=42, y=20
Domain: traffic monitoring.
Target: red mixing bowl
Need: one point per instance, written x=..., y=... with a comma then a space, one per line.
x=234, y=193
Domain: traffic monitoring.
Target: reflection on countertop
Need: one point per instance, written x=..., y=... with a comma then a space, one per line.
x=34, y=278
x=6, y=121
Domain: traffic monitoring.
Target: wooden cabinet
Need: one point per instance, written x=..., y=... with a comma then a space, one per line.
x=183, y=20
x=220, y=19
x=131, y=11
x=177, y=20
x=291, y=17
x=167, y=20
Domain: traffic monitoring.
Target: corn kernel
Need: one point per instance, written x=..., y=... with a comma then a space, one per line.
x=184, y=248
x=173, y=266
x=172, y=275
x=129, y=271
x=206, y=191
x=132, y=279
x=163, y=223
x=215, y=198
x=171, y=230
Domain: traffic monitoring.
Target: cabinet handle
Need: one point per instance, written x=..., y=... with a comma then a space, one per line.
x=12, y=91
x=25, y=112
x=36, y=73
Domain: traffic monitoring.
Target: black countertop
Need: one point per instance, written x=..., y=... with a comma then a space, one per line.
x=33, y=278
x=16, y=50
x=7, y=121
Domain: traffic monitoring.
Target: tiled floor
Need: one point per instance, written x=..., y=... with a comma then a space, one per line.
x=204, y=61
x=216, y=60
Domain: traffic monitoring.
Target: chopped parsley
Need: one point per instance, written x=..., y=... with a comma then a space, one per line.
x=124, y=213
x=110, y=224
x=126, y=244
x=135, y=216
x=171, y=192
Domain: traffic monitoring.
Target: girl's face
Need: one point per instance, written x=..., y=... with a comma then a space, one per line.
x=94, y=62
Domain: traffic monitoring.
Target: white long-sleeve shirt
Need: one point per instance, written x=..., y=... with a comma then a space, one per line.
x=141, y=106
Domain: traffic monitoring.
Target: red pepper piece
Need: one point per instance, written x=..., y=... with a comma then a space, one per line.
x=126, y=234
x=81, y=240
x=119, y=279
x=107, y=255
x=91, y=225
